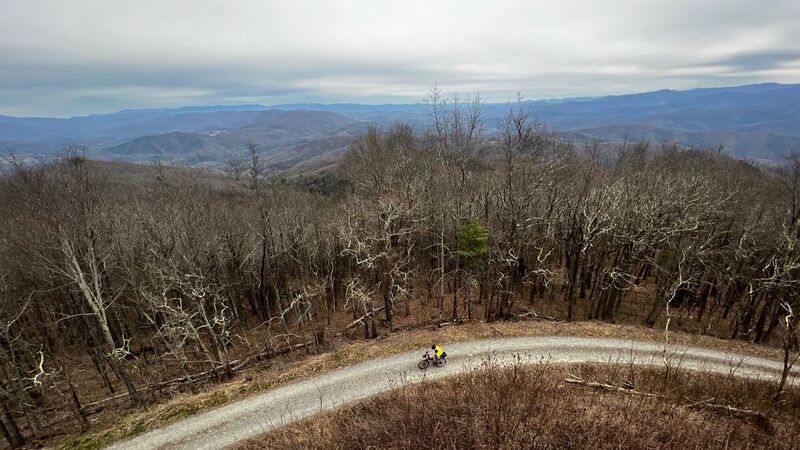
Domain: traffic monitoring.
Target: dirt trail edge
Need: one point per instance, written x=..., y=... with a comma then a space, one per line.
x=250, y=417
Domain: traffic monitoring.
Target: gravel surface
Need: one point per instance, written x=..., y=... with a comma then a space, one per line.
x=250, y=417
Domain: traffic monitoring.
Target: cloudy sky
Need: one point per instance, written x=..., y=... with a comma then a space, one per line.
x=62, y=58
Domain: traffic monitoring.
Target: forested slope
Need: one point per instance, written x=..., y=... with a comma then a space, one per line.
x=122, y=290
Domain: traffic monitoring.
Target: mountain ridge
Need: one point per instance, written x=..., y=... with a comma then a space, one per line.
x=758, y=121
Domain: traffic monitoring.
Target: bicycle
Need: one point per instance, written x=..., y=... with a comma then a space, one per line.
x=427, y=360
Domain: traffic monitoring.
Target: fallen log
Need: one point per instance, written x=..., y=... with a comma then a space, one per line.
x=456, y=321
x=269, y=353
x=607, y=387
x=730, y=410
x=105, y=400
x=706, y=404
x=361, y=319
x=536, y=316
x=233, y=366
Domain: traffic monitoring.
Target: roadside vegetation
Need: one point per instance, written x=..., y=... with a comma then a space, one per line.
x=117, y=294
x=114, y=425
x=543, y=406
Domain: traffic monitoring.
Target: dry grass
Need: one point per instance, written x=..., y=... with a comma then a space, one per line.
x=528, y=407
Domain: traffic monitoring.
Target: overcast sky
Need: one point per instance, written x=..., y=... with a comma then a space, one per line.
x=68, y=57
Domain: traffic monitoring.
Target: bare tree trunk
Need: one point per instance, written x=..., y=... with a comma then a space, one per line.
x=8, y=427
x=776, y=316
x=532, y=294
x=768, y=310
x=732, y=294
x=388, y=302
x=101, y=369
x=789, y=340
x=263, y=298
x=746, y=319
x=93, y=295
x=456, y=286
x=220, y=352
x=655, y=310
x=279, y=305
x=372, y=323
x=573, y=281
x=408, y=300
x=77, y=408
x=586, y=278
x=468, y=301
x=441, y=266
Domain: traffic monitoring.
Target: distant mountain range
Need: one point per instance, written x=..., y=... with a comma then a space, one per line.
x=759, y=121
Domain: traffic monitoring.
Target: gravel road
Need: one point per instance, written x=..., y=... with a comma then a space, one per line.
x=246, y=418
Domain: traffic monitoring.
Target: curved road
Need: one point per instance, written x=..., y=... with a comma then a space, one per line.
x=246, y=418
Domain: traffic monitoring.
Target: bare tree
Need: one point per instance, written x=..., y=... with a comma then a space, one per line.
x=255, y=166
x=236, y=165
x=9, y=315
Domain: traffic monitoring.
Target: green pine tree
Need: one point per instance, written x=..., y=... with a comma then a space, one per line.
x=473, y=242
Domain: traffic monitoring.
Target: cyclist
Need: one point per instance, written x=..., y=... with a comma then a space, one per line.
x=437, y=352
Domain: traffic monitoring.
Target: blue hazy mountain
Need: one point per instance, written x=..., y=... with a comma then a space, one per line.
x=760, y=121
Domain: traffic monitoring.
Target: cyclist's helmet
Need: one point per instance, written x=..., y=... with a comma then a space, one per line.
x=433, y=347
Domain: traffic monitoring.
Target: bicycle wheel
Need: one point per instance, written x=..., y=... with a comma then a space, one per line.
x=423, y=364
x=440, y=362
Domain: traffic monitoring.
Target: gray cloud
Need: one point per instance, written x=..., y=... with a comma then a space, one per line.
x=62, y=58
x=754, y=61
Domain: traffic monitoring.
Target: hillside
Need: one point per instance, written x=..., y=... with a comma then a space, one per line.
x=223, y=288
x=753, y=145
x=162, y=144
x=285, y=138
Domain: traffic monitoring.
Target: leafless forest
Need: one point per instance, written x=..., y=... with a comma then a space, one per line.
x=117, y=292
